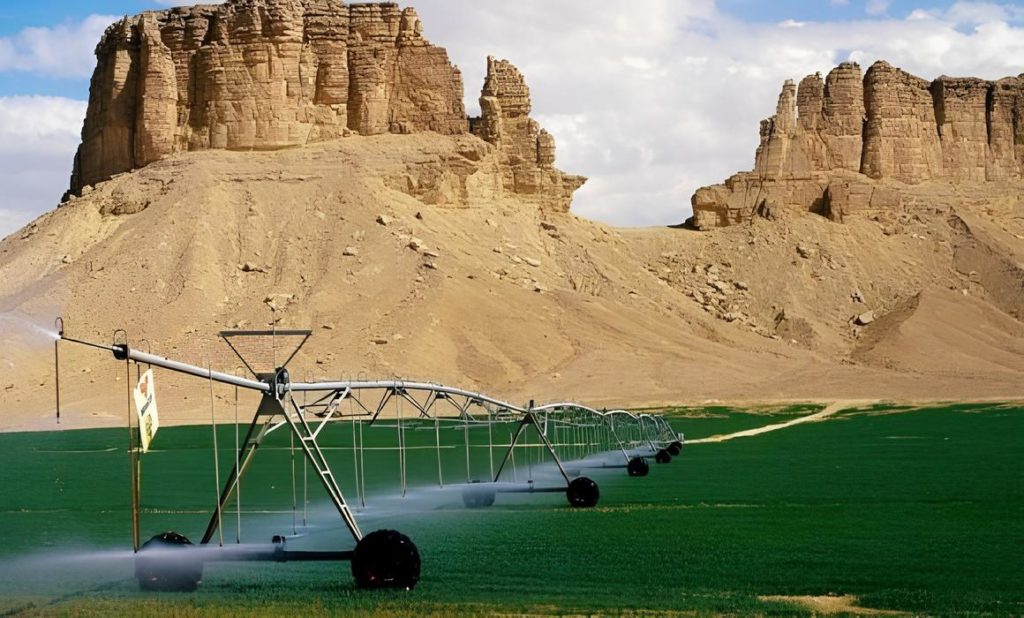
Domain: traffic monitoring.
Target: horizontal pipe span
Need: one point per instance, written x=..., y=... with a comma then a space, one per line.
x=530, y=489
x=415, y=386
x=166, y=363
x=440, y=388
x=225, y=378
x=199, y=372
x=568, y=404
x=315, y=556
x=244, y=553
x=87, y=343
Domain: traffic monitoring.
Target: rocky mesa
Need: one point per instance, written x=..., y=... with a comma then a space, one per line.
x=873, y=144
x=273, y=74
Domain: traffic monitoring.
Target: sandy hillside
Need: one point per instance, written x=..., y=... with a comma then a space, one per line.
x=406, y=258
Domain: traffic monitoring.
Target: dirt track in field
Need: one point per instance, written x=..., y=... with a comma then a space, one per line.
x=829, y=410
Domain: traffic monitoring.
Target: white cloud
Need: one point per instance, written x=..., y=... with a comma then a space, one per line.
x=983, y=12
x=877, y=7
x=922, y=14
x=64, y=50
x=46, y=124
x=38, y=137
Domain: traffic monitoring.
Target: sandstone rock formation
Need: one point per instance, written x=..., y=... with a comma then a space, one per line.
x=260, y=74
x=844, y=144
x=271, y=74
x=527, y=150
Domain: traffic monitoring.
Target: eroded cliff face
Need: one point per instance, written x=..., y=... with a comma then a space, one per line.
x=527, y=151
x=260, y=74
x=846, y=144
x=271, y=74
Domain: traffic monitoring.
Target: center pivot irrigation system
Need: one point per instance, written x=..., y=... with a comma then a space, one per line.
x=572, y=436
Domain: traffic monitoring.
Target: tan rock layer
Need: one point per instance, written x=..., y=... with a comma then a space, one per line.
x=854, y=134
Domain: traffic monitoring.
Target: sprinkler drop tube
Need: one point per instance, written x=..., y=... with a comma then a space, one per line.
x=59, y=324
x=56, y=370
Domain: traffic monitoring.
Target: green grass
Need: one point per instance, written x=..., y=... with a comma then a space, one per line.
x=918, y=511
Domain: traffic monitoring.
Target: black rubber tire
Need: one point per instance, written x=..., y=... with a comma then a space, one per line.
x=638, y=466
x=582, y=493
x=477, y=497
x=386, y=559
x=168, y=562
x=663, y=457
x=675, y=448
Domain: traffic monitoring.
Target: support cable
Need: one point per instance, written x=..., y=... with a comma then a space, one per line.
x=401, y=447
x=355, y=453
x=362, y=465
x=216, y=462
x=305, y=475
x=238, y=488
x=291, y=451
x=133, y=478
x=490, y=439
x=437, y=442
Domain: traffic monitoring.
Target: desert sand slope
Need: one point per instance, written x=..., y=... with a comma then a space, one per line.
x=943, y=333
x=407, y=257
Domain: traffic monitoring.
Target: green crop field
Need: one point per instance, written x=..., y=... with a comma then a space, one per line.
x=915, y=510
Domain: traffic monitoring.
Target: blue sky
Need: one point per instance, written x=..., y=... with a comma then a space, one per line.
x=650, y=99
x=15, y=15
